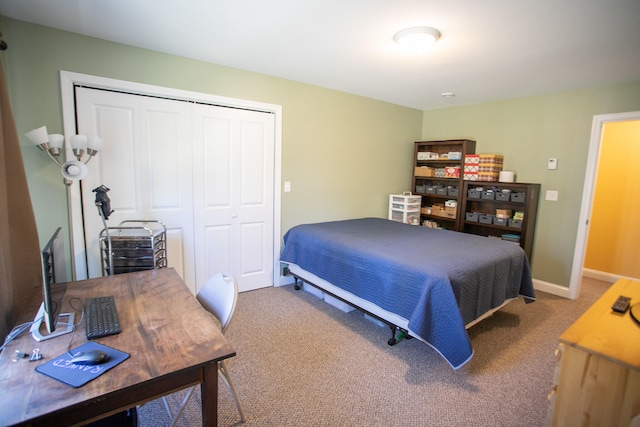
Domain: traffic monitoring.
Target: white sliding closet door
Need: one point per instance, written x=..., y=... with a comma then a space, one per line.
x=146, y=161
x=233, y=194
x=206, y=172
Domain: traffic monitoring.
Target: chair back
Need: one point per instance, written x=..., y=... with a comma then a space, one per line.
x=219, y=296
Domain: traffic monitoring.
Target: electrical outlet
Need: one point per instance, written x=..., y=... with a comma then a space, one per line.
x=551, y=195
x=287, y=186
x=552, y=163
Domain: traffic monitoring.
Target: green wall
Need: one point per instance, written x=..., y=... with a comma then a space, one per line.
x=343, y=154
x=528, y=131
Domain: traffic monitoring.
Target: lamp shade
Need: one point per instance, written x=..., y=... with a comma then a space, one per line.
x=56, y=140
x=78, y=142
x=38, y=136
x=94, y=143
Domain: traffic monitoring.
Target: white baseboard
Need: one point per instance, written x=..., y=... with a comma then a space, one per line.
x=551, y=288
x=602, y=275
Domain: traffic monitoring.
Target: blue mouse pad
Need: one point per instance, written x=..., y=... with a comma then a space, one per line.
x=76, y=375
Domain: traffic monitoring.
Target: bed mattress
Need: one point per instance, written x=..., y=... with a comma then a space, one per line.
x=437, y=280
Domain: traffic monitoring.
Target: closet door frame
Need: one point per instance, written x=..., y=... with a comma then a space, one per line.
x=68, y=82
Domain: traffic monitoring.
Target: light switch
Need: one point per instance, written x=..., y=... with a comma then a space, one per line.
x=552, y=164
x=287, y=186
x=551, y=195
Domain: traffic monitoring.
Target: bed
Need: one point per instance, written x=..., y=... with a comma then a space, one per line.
x=425, y=283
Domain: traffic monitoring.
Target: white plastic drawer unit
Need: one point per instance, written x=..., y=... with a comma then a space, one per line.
x=405, y=208
x=405, y=201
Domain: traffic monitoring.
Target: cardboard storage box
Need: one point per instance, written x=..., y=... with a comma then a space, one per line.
x=450, y=212
x=427, y=155
x=473, y=168
x=503, y=213
x=471, y=159
x=488, y=176
x=452, y=172
x=443, y=211
x=424, y=171
x=437, y=210
x=490, y=159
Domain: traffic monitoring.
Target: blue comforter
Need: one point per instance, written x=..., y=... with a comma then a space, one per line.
x=438, y=280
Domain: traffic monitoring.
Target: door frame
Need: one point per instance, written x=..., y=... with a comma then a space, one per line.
x=597, y=128
x=68, y=80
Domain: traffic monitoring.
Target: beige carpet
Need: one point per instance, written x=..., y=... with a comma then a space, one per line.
x=302, y=362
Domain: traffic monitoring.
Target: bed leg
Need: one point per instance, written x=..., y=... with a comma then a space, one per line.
x=296, y=285
x=395, y=336
x=393, y=340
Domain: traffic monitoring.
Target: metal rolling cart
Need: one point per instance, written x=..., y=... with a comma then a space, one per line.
x=133, y=246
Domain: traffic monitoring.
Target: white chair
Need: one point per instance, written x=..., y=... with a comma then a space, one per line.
x=218, y=296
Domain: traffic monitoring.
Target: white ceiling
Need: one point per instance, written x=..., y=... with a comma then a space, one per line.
x=489, y=50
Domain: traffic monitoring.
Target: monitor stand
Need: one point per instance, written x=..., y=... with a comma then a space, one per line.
x=62, y=326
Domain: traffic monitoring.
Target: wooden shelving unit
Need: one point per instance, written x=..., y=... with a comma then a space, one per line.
x=479, y=210
x=434, y=156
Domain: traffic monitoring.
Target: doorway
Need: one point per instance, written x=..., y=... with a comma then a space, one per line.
x=588, y=193
x=178, y=122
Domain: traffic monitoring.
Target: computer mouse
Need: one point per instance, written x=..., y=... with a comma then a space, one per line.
x=91, y=357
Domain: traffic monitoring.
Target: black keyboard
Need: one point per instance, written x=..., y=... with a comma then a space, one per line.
x=101, y=317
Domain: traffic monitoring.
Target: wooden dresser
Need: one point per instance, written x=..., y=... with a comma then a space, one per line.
x=597, y=378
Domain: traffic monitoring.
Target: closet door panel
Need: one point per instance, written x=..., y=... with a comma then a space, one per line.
x=147, y=167
x=234, y=156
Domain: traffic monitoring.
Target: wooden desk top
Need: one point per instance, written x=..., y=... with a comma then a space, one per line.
x=167, y=333
x=603, y=332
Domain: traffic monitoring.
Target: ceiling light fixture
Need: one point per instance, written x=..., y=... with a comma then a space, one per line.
x=416, y=40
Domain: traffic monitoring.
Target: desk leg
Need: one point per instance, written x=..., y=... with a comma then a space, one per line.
x=209, y=390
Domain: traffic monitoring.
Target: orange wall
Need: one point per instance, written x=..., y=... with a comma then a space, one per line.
x=613, y=245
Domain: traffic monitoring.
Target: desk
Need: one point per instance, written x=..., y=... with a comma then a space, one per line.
x=173, y=342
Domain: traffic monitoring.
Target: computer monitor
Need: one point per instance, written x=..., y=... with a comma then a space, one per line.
x=53, y=272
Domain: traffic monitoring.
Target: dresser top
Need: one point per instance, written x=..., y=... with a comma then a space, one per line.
x=603, y=332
